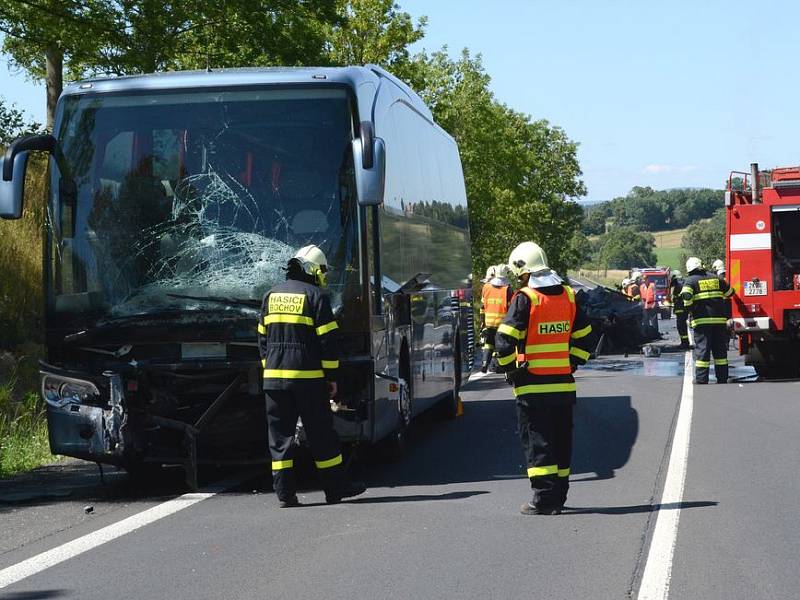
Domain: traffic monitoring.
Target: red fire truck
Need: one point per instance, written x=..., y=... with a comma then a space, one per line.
x=763, y=256
x=660, y=276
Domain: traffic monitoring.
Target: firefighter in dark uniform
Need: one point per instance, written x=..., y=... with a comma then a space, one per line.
x=704, y=296
x=298, y=342
x=676, y=285
x=542, y=340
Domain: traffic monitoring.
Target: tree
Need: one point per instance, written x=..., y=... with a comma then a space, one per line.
x=374, y=31
x=706, y=240
x=626, y=248
x=14, y=124
x=41, y=35
x=522, y=176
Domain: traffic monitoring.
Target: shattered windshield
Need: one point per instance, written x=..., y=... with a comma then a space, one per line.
x=164, y=200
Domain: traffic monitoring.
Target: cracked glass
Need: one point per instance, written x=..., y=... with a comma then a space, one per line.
x=195, y=200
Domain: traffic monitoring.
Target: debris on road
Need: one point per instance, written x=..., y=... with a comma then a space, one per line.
x=89, y=509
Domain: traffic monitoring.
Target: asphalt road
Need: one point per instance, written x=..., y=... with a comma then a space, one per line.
x=444, y=522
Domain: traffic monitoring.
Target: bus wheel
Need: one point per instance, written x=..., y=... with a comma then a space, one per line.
x=448, y=407
x=394, y=446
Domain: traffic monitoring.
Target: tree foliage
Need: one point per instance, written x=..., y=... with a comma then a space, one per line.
x=706, y=239
x=626, y=247
x=650, y=210
x=14, y=123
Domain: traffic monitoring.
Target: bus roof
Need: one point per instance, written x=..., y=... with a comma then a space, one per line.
x=352, y=77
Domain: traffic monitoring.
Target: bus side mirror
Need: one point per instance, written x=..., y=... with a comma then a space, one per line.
x=12, y=172
x=12, y=193
x=369, y=163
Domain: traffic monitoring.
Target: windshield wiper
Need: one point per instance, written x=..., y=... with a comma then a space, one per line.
x=116, y=321
x=219, y=300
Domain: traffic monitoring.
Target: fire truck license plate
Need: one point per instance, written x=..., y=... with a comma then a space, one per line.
x=755, y=288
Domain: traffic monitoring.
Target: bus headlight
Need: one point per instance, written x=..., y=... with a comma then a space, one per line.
x=59, y=391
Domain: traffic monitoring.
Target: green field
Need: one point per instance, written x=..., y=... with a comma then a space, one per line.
x=670, y=257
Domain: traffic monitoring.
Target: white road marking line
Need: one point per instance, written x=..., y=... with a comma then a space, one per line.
x=658, y=567
x=59, y=554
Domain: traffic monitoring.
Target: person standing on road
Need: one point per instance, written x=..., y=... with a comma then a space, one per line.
x=634, y=291
x=298, y=343
x=649, y=304
x=676, y=285
x=540, y=343
x=704, y=297
x=495, y=299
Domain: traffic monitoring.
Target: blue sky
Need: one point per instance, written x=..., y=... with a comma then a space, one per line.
x=665, y=94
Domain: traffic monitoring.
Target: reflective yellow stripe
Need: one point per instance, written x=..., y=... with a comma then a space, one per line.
x=293, y=319
x=531, y=295
x=327, y=464
x=292, y=374
x=570, y=294
x=488, y=346
x=687, y=290
x=728, y=293
x=720, y=361
x=511, y=331
x=327, y=328
x=582, y=354
x=261, y=329
x=702, y=363
x=545, y=388
x=264, y=363
x=277, y=465
x=506, y=360
x=541, y=348
x=330, y=364
x=709, y=321
x=563, y=472
x=581, y=332
x=541, y=471
x=707, y=295
x=548, y=362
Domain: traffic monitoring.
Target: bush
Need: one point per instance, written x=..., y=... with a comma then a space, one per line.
x=23, y=429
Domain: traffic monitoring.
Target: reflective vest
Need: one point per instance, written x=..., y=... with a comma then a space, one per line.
x=649, y=295
x=549, y=328
x=495, y=304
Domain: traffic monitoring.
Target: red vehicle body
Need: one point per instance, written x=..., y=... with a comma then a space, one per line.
x=763, y=256
x=660, y=276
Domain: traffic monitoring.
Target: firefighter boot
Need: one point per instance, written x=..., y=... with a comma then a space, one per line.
x=487, y=359
x=529, y=509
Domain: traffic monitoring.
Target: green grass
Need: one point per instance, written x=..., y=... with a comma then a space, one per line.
x=23, y=424
x=670, y=257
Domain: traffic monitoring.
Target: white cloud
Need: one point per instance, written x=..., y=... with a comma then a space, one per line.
x=656, y=169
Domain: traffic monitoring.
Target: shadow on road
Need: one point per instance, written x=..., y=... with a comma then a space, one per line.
x=638, y=508
x=606, y=428
x=418, y=497
x=34, y=595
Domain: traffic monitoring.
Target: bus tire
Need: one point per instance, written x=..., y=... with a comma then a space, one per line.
x=394, y=446
x=448, y=406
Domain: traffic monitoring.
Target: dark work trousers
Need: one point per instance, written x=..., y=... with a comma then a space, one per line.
x=683, y=330
x=308, y=400
x=489, y=335
x=711, y=340
x=546, y=435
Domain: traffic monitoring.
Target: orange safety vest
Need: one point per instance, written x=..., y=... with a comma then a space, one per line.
x=649, y=295
x=495, y=304
x=549, y=330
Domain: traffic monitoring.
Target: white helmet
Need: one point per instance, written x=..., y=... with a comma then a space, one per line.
x=626, y=282
x=676, y=273
x=718, y=266
x=530, y=258
x=693, y=263
x=490, y=272
x=313, y=262
x=635, y=276
x=502, y=271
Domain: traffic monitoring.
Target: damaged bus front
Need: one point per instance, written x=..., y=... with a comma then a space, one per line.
x=174, y=203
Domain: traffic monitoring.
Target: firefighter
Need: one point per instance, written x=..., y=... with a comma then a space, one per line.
x=704, y=297
x=634, y=291
x=494, y=304
x=650, y=312
x=676, y=285
x=542, y=339
x=298, y=342
x=624, y=286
